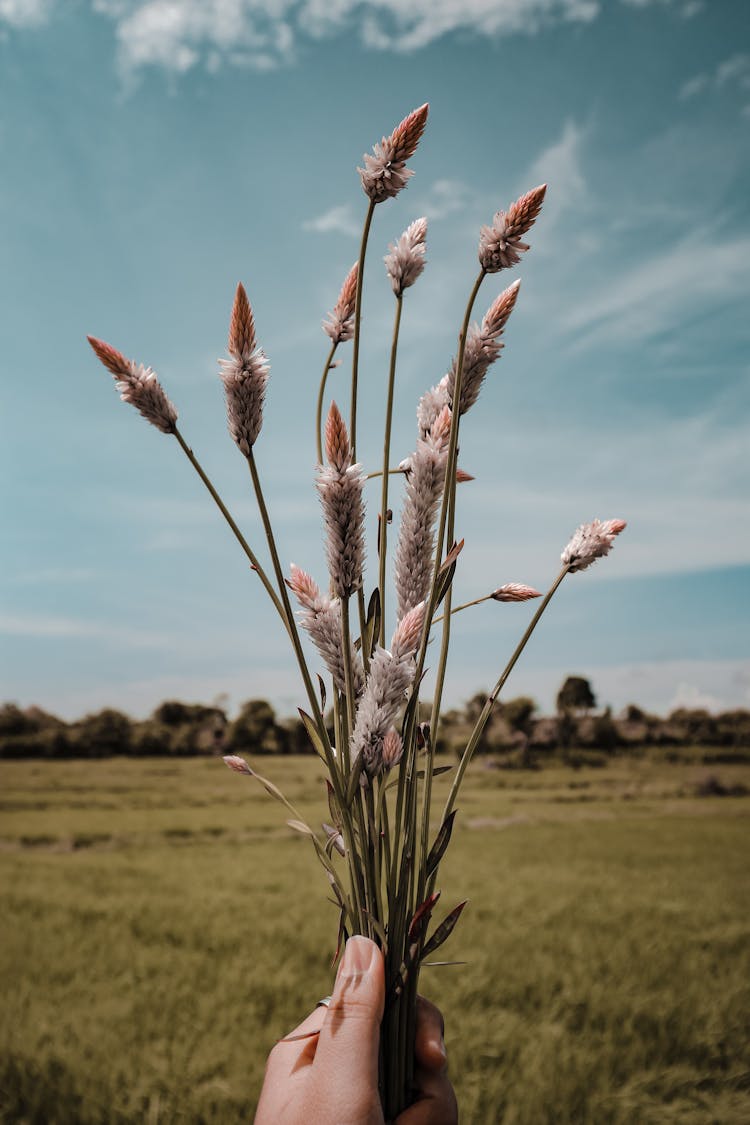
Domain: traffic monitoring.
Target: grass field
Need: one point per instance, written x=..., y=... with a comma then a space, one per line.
x=160, y=928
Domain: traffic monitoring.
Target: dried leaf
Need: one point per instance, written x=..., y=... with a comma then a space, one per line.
x=442, y=840
x=444, y=930
x=422, y=915
x=323, y=695
x=300, y=826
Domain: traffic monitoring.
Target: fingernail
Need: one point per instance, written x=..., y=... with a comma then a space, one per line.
x=359, y=956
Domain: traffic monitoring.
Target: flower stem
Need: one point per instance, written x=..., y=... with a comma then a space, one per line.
x=447, y=505
x=357, y=322
x=492, y=697
x=382, y=546
x=292, y=626
x=319, y=408
x=236, y=531
x=465, y=605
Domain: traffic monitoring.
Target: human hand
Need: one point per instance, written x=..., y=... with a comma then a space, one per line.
x=325, y=1072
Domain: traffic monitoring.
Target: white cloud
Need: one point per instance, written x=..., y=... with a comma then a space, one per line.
x=25, y=13
x=732, y=73
x=444, y=198
x=656, y=294
x=338, y=220
x=560, y=166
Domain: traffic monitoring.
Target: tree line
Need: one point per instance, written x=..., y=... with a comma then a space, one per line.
x=517, y=733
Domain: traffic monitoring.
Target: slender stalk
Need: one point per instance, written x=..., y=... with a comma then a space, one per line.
x=465, y=605
x=449, y=493
x=236, y=531
x=292, y=626
x=379, y=473
x=348, y=683
x=492, y=697
x=357, y=321
x=319, y=407
x=382, y=546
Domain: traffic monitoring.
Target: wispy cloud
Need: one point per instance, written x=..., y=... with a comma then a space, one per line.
x=178, y=35
x=25, y=13
x=653, y=296
x=336, y=220
x=732, y=74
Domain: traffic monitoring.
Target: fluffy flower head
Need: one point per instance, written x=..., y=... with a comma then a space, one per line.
x=405, y=259
x=385, y=172
x=500, y=245
x=138, y=385
x=339, y=324
x=244, y=375
x=591, y=541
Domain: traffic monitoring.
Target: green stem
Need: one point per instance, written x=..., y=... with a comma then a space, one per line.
x=236, y=531
x=357, y=322
x=447, y=504
x=466, y=605
x=481, y=722
x=319, y=407
x=293, y=631
x=382, y=546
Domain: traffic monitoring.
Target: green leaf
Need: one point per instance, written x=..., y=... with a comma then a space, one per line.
x=442, y=840
x=353, y=780
x=300, y=826
x=444, y=930
x=312, y=734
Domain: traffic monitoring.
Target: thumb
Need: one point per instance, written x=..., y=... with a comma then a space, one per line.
x=350, y=1036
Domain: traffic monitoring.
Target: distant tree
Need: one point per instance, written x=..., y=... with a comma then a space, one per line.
x=255, y=729
x=102, y=734
x=606, y=736
x=518, y=713
x=575, y=695
x=14, y=721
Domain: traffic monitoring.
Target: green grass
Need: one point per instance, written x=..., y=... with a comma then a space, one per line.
x=160, y=928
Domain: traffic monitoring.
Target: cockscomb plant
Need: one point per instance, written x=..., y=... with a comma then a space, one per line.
x=382, y=842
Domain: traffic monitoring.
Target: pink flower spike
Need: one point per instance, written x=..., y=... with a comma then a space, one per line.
x=393, y=749
x=405, y=259
x=500, y=245
x=339, y=324
x=137, y=385
x=239, y=765
x=408, y=631
x=385, y=172
x=591, y=541
x=514, y=592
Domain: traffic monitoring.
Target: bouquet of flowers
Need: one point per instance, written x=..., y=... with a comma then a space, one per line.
x=382, y=844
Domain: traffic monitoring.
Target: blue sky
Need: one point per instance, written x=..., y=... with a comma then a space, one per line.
x=156, y=152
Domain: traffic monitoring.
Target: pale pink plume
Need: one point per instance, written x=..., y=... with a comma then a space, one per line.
x=425, y=476
x=514, y=592
x=385, y=172
x=321, y=619
x=408, y=632
x=137, y=385
x=241, y=343
x=500, y=245
x=591, y=541
x=244, y=375
x=239, y=765
x=338, y=450
x=339, y=324
x=483, y=346
x=405, y=260
x=393, y=749
x=340, y=485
